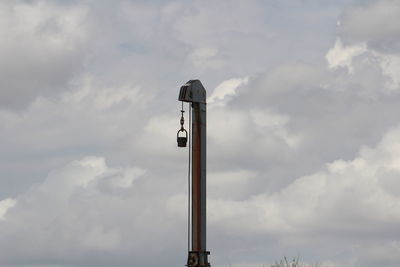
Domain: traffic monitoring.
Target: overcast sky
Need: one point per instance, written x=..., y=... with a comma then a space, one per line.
x=303, y=131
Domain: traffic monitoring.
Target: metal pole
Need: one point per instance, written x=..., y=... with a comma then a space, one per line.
x=194, y=92
x=199, y=177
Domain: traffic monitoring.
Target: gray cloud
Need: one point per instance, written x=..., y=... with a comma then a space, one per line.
x=302, y=132
x=89, y=214
x=373, y=22
x=41, y=49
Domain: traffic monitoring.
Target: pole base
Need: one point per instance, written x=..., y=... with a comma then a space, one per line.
x=198, y=259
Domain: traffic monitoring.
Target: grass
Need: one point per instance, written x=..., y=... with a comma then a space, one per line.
x=293, y=263
x=287, y=263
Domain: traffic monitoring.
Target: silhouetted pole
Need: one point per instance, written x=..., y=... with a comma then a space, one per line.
x=194, y=92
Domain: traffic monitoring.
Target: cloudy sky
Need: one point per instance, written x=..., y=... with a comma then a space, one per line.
x=303, y=131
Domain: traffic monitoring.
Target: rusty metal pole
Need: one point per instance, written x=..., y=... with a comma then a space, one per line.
x=199, y=177
x=194, y=92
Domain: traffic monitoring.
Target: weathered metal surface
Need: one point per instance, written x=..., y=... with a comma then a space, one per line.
x=199, y=193
x=194, y=92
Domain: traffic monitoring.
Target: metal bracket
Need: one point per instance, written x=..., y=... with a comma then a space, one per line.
x=198, y=259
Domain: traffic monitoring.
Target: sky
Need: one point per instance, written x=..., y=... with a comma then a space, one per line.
x=303, y=131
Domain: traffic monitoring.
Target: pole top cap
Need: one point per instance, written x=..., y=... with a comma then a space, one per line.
x=193, y=91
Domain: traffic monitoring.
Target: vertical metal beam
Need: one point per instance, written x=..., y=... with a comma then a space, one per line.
x=199, y=177
x=194, y=93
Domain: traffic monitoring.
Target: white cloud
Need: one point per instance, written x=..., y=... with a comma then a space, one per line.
x=269, y=137
x=275, y=124
x=6, y=204
x=390, y=65
x=360, y=195
x=80, y=211
x=226, y=89
x=369, y=29
x=342, y=56
x=205, y=58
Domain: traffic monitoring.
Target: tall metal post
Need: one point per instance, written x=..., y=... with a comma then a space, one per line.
x=194, y=92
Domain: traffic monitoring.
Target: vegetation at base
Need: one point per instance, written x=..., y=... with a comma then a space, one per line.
x=286, y=263
x=293, y=263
